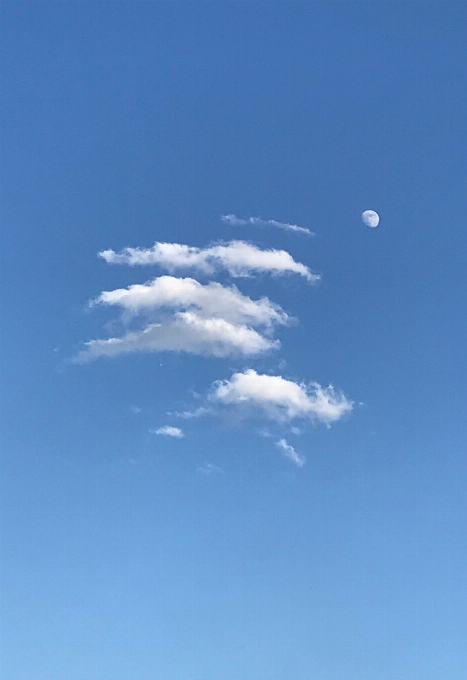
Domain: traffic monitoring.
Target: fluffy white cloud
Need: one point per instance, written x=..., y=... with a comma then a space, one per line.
x=183, y=315
x=290, y=453
x=169, y=431
x=209, y=301
x=235, y=221
x=281, y=399
x=169, y=313
x=238, y=258
x=185, y=332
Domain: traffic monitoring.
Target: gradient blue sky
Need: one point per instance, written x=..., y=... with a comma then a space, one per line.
x=133, y=556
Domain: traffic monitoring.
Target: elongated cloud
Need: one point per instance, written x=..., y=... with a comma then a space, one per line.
x=238, y=258
x=169, y=431
x=195, y=413
x=186, y=316
x=280, y=399
x=289, y=452
x=212, y=300
x=235, y=221
x=184, y=332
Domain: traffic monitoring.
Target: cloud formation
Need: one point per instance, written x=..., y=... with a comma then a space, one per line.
x=186, y=316
x=289, y=452
x=169, y=431
x=280, y=399
x=210, y=301
x=170, y=313
x=184, y=332
x=235, y=221
x=238, y=258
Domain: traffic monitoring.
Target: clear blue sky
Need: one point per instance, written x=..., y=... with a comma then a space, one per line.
x=263, y=544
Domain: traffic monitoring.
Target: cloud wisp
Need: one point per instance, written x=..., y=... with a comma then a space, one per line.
x=280, y=399
x=234, y=221
x=208, y=469
x=183, y=315
x=199, y=412
x=238, y=258
x=169, y=431
x=289, y=452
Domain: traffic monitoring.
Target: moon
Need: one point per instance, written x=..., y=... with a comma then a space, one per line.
x=370, y=218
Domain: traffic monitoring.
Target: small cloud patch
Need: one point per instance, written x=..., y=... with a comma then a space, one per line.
x=290, y=453
x=169, y=431
x=208, y=469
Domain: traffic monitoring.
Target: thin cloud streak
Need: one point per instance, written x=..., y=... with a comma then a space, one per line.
x=196, y=413
x=238, y=258
x=234, y=221
x=289, y=452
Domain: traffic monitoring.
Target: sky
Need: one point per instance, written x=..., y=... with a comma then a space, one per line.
x=233, y=415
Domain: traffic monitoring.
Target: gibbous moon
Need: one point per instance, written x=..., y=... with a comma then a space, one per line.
x=370, y=218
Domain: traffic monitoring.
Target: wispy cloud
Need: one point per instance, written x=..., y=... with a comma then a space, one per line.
x=208, y=469
x=238, y=258
x=290, y=453
x=280, y=399
x=235, y=221
x=168, y=431
x=196, y=413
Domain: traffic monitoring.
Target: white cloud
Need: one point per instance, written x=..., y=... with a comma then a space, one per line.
x=238, y=258
x=280, y=399
x=169, y=313
x=185, y=332
x=290, y=453
x=168, y=431
x=196, y=413
x=235, y=221
x=183, y=315
x=212, y=300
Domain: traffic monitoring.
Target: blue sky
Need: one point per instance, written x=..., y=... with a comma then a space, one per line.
x=294, y=531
